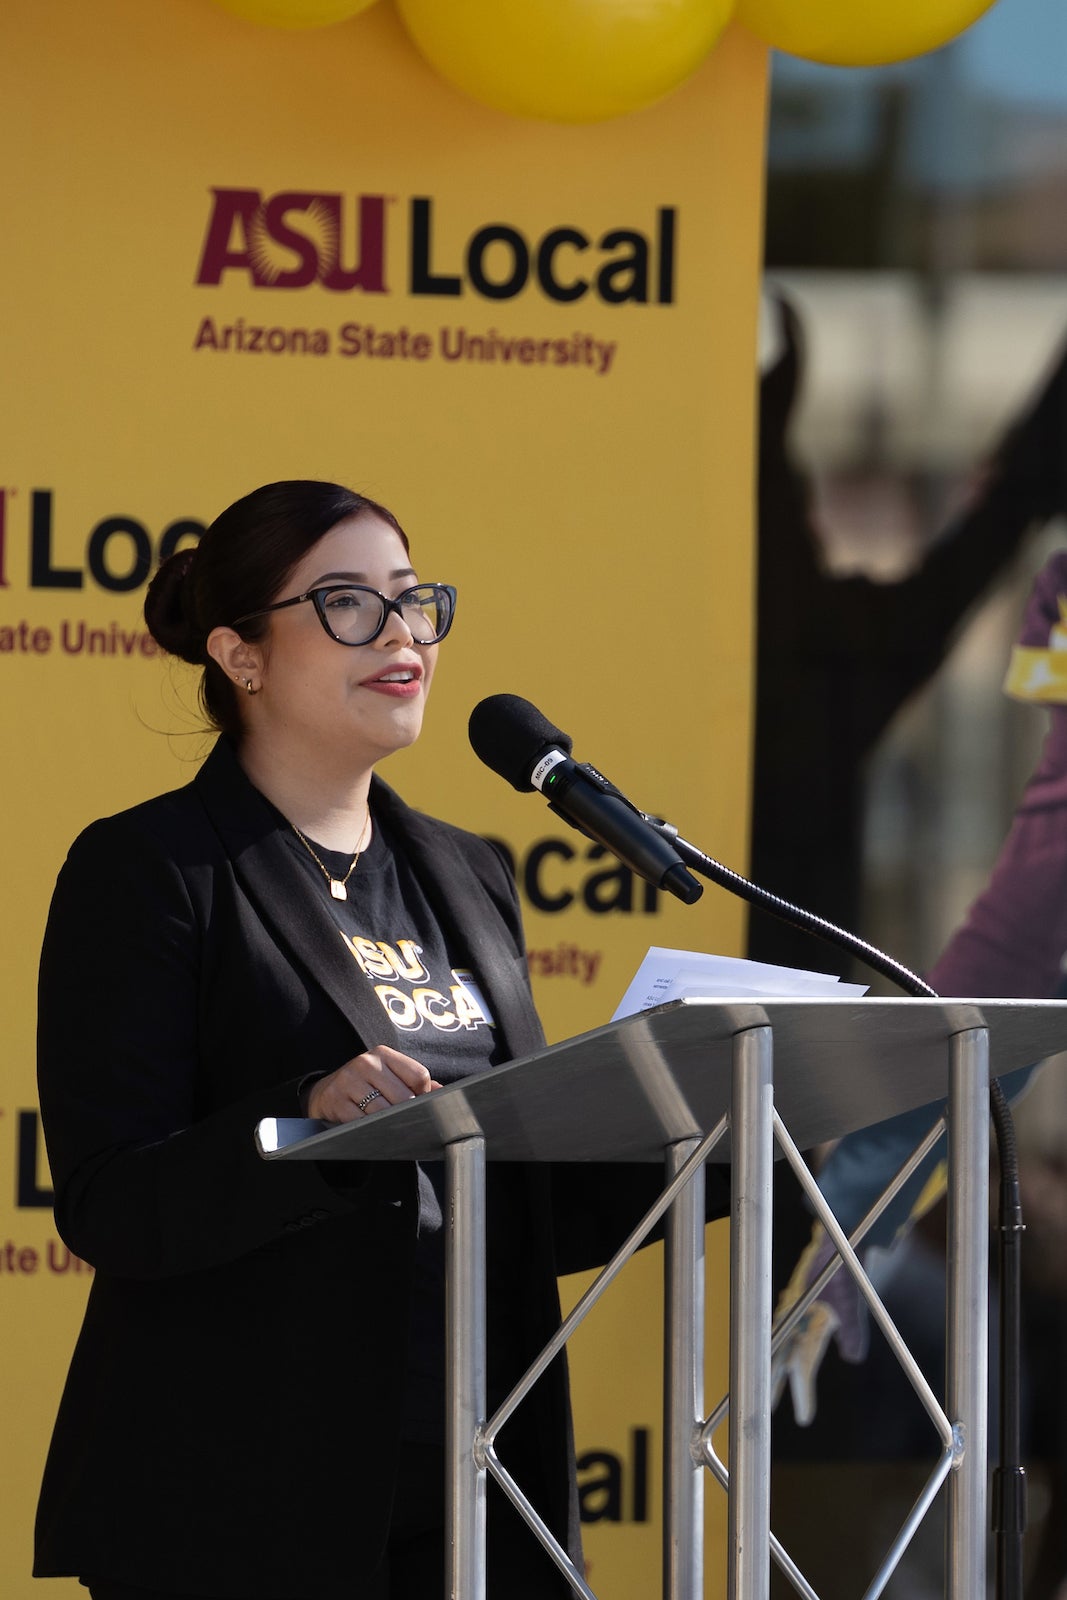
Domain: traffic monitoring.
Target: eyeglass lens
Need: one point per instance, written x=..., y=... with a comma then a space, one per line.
x=356, y=615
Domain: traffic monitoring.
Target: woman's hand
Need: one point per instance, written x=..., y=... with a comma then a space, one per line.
x=378, y=1078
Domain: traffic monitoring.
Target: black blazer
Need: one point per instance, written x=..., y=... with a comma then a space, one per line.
x=229, y=1420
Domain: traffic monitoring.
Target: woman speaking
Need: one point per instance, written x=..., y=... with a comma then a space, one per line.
x=255, y=1406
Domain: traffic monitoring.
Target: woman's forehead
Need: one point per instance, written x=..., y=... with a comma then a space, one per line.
x=363, y=543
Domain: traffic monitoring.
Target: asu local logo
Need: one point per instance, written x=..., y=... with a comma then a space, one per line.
x=296, y=238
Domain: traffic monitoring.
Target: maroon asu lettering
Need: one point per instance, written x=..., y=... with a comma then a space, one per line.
x=245, y=233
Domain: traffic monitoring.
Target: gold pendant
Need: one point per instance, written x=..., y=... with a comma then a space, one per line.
x=338, y=890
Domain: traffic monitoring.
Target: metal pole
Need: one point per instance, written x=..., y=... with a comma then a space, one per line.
x=752, y=1151
x=465, y=1386
x=683, y=1397
x=968, y=1311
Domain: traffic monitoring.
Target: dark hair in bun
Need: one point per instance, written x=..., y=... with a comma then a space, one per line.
x=241, y=564
x=165, y=610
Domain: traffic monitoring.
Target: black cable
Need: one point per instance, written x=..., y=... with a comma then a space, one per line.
x=1009, y=1479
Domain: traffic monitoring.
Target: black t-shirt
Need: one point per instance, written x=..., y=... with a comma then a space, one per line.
x=433, y=1000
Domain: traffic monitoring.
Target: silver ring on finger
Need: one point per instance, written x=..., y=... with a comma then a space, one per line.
x=374, y=1094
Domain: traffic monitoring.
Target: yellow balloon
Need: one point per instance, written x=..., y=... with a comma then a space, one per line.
x=565, y=60
x=858, y=33
x=295, y=13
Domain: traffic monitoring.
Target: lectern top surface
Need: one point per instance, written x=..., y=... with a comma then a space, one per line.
x=624, y=1091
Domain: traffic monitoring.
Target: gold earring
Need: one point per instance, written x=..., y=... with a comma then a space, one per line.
x=250, y=686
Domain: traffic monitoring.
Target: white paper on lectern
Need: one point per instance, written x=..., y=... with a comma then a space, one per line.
x=694, y=975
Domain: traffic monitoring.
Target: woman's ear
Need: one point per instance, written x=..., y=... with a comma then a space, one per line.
x=239, y=660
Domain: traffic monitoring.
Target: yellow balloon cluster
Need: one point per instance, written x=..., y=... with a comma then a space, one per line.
x=859, y=33
x=585, y=60
x=566, y=60
x=295, y=13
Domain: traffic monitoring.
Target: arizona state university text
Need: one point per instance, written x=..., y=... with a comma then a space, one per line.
x=455, y=343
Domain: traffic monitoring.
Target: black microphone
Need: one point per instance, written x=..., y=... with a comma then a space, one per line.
x=517, y=742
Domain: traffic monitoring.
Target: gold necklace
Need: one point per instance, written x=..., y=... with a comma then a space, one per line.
x=337, y=885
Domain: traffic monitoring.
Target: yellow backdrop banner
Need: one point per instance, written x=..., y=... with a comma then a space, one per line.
x=238, y=254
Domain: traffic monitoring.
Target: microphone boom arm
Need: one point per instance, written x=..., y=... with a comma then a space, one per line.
x=732, y=881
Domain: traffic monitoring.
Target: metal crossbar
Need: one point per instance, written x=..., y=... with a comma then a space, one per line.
x=485, y=1439
x=847, y=1258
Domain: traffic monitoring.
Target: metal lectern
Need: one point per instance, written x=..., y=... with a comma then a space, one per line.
x=725, y=1081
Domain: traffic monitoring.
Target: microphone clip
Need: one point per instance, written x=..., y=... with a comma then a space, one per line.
x=564, y=779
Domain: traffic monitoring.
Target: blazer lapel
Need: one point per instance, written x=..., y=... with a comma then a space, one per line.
x=463, y=905
x=270, y=875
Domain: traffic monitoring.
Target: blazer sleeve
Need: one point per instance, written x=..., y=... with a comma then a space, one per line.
x=147, y=1184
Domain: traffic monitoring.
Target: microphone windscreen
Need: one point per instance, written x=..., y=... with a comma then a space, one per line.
x=510, y=735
